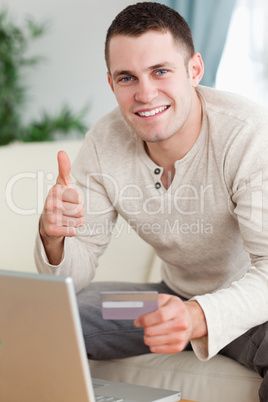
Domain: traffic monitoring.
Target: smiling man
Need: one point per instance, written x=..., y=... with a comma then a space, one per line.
x=156, y=93
x=186, y=167
x=154, y=80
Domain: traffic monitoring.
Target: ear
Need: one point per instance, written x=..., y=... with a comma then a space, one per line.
x=110, y=81
x=196, y=69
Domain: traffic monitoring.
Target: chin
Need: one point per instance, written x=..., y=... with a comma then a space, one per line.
x=157, y=137
x=154, y=139
x=149, y=136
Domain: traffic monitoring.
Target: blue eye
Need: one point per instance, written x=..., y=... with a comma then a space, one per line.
x=161, y=72
x=126, y=79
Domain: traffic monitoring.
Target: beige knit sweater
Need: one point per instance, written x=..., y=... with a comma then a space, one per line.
x=210, y=227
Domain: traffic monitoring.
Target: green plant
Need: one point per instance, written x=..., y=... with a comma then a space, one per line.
x=14, y=44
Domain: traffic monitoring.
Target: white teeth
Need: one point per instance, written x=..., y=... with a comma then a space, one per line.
x=152, y=112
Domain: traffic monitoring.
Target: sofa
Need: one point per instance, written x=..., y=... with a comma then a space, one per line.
x=27, y=173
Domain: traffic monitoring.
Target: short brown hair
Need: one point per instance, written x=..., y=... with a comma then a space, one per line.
x=142, y=17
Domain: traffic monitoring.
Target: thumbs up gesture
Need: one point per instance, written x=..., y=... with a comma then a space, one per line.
x=63, y=212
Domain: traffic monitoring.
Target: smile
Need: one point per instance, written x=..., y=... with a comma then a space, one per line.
x=152, y=112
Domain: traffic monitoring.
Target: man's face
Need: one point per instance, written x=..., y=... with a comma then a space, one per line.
x=153, y=86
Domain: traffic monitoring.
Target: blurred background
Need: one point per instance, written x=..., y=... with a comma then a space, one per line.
x=53, y=85
x=232, y=36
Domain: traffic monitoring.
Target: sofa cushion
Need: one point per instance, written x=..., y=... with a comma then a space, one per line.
x=218, y=380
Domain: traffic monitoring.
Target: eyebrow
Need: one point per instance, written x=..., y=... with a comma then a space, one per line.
x=119, y=73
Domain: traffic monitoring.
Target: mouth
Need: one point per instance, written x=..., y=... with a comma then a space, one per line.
x=153, y=112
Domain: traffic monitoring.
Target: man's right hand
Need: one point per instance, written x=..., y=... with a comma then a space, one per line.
x=63, y=212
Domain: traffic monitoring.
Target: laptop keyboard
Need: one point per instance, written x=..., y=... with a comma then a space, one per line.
x=101, y=398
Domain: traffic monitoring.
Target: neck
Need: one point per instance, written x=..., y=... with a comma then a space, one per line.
x=165, y=153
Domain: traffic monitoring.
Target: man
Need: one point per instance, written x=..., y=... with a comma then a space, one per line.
x=189, y=161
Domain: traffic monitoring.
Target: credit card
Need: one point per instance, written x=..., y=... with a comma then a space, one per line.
x=127, y=305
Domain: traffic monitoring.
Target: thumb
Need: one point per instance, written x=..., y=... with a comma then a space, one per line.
x=64, y=167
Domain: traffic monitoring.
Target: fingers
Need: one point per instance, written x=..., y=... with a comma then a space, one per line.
x=63, y=211
x=169, y=337
x=168, y=306
x=72, y=196
x=59, y=225
x=57, y=231
x=64, y=168
x=169, y=328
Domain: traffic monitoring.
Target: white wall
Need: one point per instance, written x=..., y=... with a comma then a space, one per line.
x=74, y=71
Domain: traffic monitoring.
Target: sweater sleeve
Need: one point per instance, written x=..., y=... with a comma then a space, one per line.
x=231, y=312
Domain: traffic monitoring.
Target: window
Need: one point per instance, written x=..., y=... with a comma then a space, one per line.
x=244, y=65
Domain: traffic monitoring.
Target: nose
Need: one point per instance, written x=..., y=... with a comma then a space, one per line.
x=146, y=91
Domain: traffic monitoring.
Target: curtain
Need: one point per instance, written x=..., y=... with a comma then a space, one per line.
x=209, y=21
x=244, y=65
x=258, y=46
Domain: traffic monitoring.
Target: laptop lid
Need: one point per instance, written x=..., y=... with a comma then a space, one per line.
x=42, y=351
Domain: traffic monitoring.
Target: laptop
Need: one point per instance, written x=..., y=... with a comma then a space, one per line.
x=42, y=351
